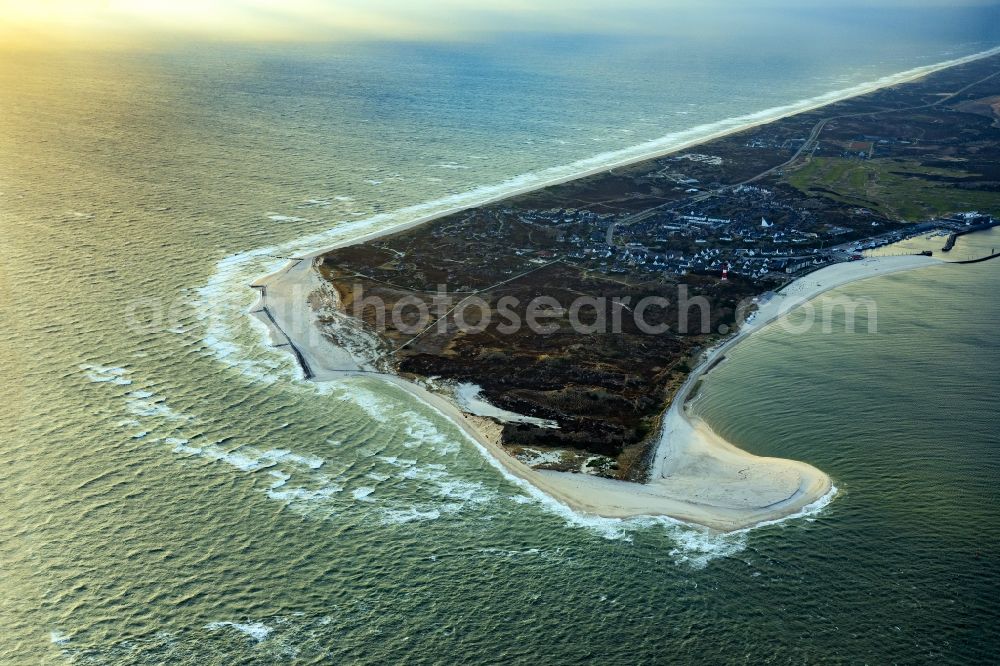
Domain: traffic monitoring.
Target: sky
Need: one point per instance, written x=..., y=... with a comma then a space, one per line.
x=43, y=23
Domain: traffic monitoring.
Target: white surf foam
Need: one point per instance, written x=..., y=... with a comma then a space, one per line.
x=146, y=404
x=397, y=462
x=421, y=433
x=696, y=548
x=409, y=515
x=284, y=455
x=363, y=494
x=276, y=217
x=57, y=637
x=809, y=511
x=258, y=631
x=223, y=302
x=282, y=478
x=374, y=406
x=100, y=374
x=325, y=491
x=288, y=465
x=429, y=472
x=468, y=492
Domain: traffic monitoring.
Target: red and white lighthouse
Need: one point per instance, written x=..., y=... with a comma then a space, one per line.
x=725, y=271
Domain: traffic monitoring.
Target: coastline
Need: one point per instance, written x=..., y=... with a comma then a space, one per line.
x=696, y=476
x=761, y=118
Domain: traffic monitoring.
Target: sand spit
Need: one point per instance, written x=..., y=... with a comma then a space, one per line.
x=696, y=476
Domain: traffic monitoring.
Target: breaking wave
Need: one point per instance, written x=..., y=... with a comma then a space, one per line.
x=240, y=341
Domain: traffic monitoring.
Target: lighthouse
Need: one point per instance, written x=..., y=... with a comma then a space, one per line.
x=725, y=271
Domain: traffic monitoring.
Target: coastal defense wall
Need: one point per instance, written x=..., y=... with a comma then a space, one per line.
x=953, y=237
x=976, y=261
x=264, y=313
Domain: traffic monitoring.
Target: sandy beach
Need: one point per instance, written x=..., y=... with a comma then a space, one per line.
x=696, y=476
x=754, y=120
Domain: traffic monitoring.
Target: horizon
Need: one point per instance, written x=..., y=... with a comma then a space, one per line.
x=144, y=24
x=346, y=332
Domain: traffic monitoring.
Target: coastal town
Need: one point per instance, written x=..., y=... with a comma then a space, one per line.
x=697, y=241
x=727, y=220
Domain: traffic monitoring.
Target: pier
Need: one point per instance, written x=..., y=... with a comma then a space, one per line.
x=950, y=243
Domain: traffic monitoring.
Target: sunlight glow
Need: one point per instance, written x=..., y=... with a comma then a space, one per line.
x=44, y=23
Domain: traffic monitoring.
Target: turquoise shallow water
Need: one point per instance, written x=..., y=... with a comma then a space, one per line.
x=173, y=492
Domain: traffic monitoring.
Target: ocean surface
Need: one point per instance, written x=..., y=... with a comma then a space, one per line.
x=171, y=490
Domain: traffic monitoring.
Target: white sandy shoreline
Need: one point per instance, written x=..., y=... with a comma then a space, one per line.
x=696, y=476
x=762, y=118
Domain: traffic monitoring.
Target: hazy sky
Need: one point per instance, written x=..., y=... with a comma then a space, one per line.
x=50, y=22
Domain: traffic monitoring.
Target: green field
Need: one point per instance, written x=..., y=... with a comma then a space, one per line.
x=898, y=189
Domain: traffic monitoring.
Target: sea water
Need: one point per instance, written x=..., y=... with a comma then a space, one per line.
x=174, y=491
